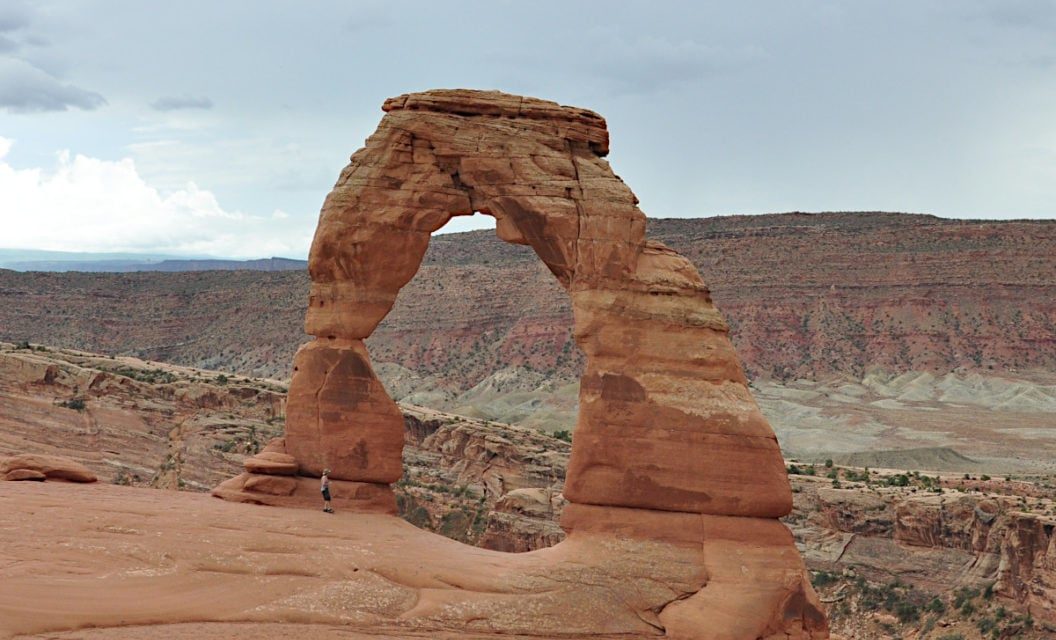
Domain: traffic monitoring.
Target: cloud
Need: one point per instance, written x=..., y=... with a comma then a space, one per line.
x=172, y=103
x=25, y=88
x=646, y=63
x=1024, y=14
x=89, y=204
x=13, y=17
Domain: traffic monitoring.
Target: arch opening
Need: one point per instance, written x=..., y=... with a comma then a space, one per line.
x=460, y=378
x=506, y=329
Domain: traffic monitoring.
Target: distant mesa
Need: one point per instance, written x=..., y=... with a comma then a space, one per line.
x=670, y=449
x=17, y=260
x=923, y=458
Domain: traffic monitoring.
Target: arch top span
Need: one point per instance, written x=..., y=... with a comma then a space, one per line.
x=533, y=165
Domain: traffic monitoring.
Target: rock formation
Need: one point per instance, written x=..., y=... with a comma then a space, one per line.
x=42, y=467
x=133, y=422
x=670, y=447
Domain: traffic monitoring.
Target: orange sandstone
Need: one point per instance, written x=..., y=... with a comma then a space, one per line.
x=670, y=445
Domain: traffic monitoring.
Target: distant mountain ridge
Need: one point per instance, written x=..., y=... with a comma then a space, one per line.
x=104, y=263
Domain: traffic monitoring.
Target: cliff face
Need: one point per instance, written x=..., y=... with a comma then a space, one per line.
x=133, y=422
x=805, y=295
x=978, y=542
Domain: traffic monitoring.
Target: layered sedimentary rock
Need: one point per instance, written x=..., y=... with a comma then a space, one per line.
x=42, y=467
x=669, y=443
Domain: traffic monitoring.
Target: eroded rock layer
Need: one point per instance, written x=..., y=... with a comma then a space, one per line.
x=668, y=435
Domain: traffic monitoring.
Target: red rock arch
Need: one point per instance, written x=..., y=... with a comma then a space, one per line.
x=666, y=420
x=669, y=444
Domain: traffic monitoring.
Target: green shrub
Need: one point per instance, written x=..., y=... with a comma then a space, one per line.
x=124, y=477
x=77, y=404
x=823, y=578
x=964, y=595
x=907, y=612
x=899, y=480
x=986, y=625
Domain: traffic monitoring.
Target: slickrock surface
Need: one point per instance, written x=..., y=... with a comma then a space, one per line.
x=106, y=557
x=670, y=446
x=488, y=484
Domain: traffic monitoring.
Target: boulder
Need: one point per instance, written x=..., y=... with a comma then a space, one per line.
x=271, y=463
x=24, y=474
x=50, y=467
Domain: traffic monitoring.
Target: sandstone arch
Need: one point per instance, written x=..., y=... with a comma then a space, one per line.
x=669, y=443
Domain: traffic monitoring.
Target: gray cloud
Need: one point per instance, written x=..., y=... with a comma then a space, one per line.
x=645, y=64
x=368, y=19
x=173, y=103
x=13, y=18
x=1024, y=14
x=714, y=107
x=25, y=88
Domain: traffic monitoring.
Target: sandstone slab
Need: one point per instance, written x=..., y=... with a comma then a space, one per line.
x=33, y=466
x=271, y=463
x=299, y=491
x=25, y=474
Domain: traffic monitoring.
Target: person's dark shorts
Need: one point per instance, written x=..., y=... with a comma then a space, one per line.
x=326, y=495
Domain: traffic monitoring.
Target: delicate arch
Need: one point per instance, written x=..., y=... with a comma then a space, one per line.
x=671, y=454
x=666, y=419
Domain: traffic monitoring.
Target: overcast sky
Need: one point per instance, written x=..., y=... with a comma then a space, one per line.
x=218, y=127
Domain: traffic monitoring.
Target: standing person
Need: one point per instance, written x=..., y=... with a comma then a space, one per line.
x=325, y=488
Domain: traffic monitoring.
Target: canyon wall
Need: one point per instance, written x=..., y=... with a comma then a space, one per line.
x=805, y=296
